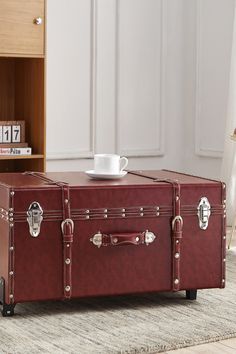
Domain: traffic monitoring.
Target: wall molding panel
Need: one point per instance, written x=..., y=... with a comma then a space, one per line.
x=78, y=151
x=212, y=67
x=154, y=145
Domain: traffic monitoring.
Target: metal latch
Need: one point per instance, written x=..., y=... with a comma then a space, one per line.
x=35, y=217
x=204, y=212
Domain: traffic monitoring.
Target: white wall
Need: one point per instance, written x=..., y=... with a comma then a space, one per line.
x=145, y=79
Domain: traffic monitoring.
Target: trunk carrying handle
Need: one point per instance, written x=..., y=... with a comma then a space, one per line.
x=123, y=239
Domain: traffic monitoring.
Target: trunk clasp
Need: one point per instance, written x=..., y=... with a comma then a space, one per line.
x=34, y=218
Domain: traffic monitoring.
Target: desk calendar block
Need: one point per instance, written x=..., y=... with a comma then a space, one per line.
x=12, y=132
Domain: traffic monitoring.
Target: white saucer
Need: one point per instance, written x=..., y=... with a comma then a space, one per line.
x=93, y=174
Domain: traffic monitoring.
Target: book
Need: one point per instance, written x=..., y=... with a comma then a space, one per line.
x=16, y=151
x=13, y=145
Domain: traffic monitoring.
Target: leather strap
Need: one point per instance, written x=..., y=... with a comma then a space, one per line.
x=67, y=227
x=177, y=227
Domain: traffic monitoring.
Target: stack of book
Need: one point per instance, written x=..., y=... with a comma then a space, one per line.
x=12, y=138
x=15, y=149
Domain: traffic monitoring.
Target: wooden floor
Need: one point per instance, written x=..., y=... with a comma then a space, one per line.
x=224, y=346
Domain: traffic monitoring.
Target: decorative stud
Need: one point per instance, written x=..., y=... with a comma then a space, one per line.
x=11, y=272
x=11, y=209
x=11, y=214
x=11, y=219
x=224, y=201
x=105, y=210
x=176, y=281
x=177, y=241
x=12, y=193
x=224, y=260
x=68, y=245
x=87, y=216
x=11, y=296
x=67, y=288
x=11, y=225
x=105, y=216
x=141, y=209
x=123, y=210
x=224, y=215
x=66, y=201
x=11, y=248
x=67, y=261
x=115, y=239
x=157, y=214
x=137, y=239
x=223, y=185
x=141, y=214
x=87, y=211
x=223, y=281
x=177, y=255
x=177, y=198
x=224, y=237
x=157, y=208
x=123, y=215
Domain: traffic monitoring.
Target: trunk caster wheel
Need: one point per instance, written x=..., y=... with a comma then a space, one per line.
x=7, y=309
x=191, y=294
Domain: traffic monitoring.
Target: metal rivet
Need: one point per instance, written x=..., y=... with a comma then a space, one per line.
x=105, y=216
x=11, y=248
x=67, y=261
x=11, y=273
x=11, y=296
x=157, y=214
x=223, y=280
x=123, y=210
x=123, y=215
x=87, y=216
x=105, y=210
x=224, y=237
x=224, y=259
x=177, y=241
x=224, y=201
x=11, y=225
x=176, y=281
x=177, y=255
x=177, y=198
x=137, y=239
x=68, y=245
x=141, y=214
x=67, y=288
x=66, y=201
x=87, y=211
x=12, y=193
x=141, y=209
x=157, y=208
x=115, y=239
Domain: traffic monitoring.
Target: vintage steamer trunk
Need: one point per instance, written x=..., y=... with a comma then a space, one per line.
x=63, y=235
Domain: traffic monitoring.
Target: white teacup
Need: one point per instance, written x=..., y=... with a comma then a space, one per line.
x=109, y=164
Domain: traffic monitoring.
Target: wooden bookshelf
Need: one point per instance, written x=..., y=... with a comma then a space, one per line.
x=22, y=73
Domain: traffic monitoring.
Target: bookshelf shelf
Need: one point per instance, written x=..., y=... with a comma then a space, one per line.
x=22, y=84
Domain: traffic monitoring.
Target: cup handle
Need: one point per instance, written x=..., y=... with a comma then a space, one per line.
x=125, y=163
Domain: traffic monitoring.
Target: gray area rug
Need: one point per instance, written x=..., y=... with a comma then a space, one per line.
x=125, y=324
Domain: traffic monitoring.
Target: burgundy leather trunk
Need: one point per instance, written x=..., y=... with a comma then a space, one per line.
x=64, y=235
